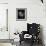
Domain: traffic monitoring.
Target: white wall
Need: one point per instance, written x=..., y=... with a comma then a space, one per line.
x=3, y=1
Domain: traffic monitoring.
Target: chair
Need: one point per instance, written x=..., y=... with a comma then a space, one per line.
x=32, y=29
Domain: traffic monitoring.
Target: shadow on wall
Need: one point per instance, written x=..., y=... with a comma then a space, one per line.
x=41, y=34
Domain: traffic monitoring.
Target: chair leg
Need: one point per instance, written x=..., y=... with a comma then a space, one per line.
x=32, y=42
x=20, y=42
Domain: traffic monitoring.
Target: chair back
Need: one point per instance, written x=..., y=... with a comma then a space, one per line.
x=33, y=28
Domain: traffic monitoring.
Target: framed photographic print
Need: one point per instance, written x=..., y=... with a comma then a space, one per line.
x=21, y=14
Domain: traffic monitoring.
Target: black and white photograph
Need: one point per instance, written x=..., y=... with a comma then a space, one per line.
x=21, y=14
x=22, y=22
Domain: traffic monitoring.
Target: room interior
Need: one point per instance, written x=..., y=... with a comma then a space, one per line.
x=11, y=27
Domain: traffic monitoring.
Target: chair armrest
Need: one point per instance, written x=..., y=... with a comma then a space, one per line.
x=22, y=35
x=24, y=32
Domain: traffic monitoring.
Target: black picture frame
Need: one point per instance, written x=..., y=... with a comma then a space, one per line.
x=21, y=14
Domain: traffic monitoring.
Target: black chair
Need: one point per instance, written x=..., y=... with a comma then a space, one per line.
x=32, y=29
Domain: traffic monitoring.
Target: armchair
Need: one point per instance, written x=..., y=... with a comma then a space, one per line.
x=33, y=30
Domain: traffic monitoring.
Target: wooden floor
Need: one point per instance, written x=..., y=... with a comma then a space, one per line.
x=6, y=40
x=27, y=44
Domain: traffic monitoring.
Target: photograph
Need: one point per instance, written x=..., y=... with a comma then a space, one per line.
x=22, y=22
x=21, y=14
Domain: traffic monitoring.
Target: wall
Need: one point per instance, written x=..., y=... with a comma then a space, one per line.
x=3, y=1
